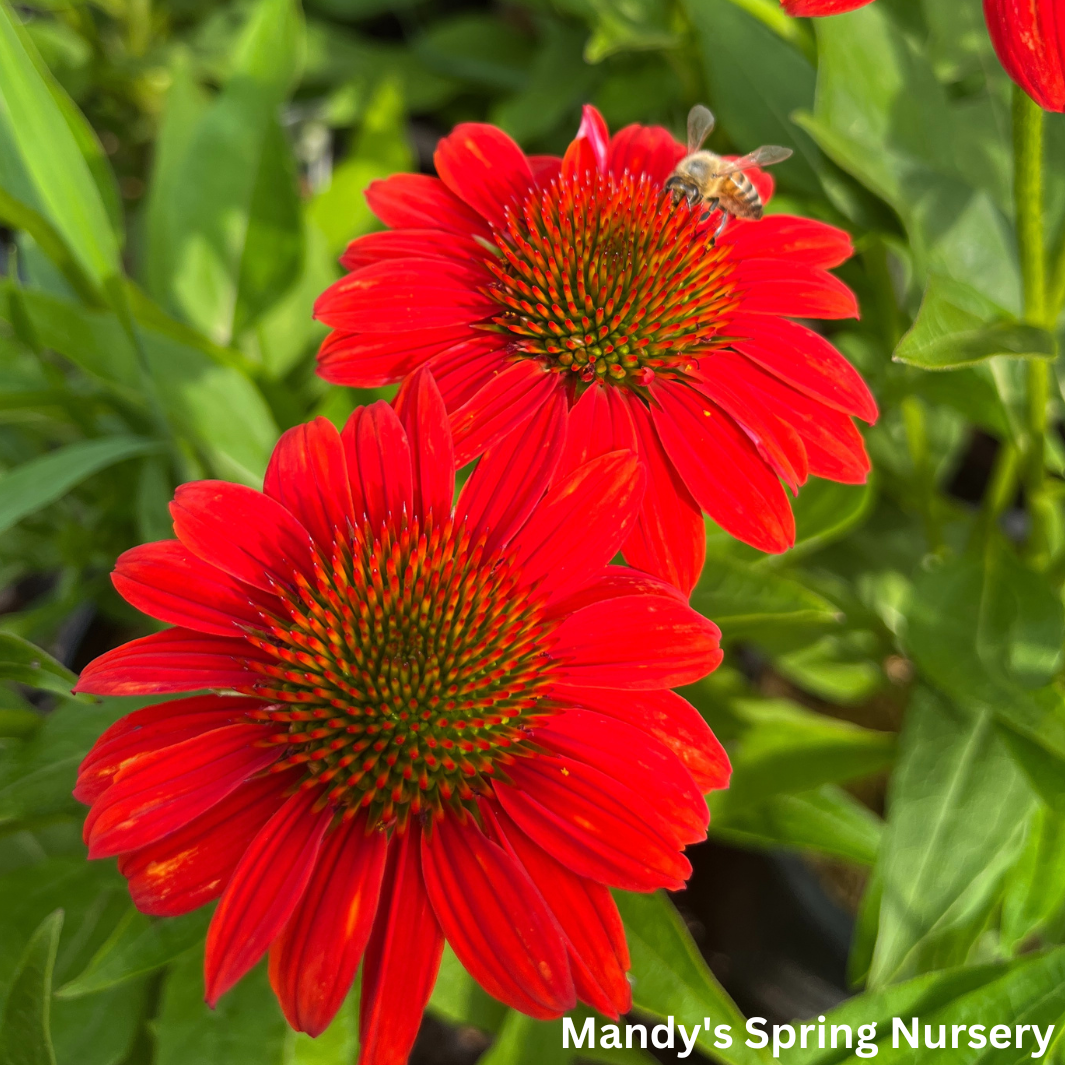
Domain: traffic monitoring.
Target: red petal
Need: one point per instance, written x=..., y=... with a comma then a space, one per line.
x=668, y=717
x=649, y=150
x=416, y=201
x=545, y=168
x=167, y=581
x=776, y=441
x=409, y=243
x=722, y=469
x=834, y=446
x=504, y=402
x=511, y=478
x=307, y=475
x=404, y=294
x=163, y=790
x=636, y=760
x=271, y=546
x=402, y=958
x=420, y=409
x=589, y=150
x=580, y=525
x=615, y=582
x=1029, y=38
x=784, y=236
x=461, y=370
x=495, y=920
x=822, y=7
x=792, y=289
x=367, y=360
x=192, y=866
x=379, y=464
x=669, y=537
x=265, y=887
x=485, y=168
x=636, y=642
x=593, y=825
x=314, y=959
x=176, y=660
x=150, y=729
x=589, y=918
x=599, y=422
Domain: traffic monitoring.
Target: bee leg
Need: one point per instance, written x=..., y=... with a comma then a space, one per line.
x=724, y=222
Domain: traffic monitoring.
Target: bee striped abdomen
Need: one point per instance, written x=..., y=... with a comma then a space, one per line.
x=747, y=195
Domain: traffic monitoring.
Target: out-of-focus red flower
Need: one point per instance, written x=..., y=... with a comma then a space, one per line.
x=522, y=279
x=432, y=720
x=813, y=8
x=1029, y=38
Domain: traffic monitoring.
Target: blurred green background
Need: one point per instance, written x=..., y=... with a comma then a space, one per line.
x=177, y=180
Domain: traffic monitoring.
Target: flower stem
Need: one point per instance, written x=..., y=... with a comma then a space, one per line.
x=1028, y=198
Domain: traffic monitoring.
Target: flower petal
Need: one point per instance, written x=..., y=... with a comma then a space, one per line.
x=636, y=642
x=272, y=545
x=417, y=201
x=615, y=581
x=485, y=168
x=503, y=403
x=599, y=956
x=191, y=866
x=589, y=150
x=163, y=790
x=785, y=236
x=265, y=887
x=167, y=581
x=314, y=959
x=580, y=525
x=545, y=168
x=649, y=150
x=809, y=8
x=792, y=289
x=804, y=360
x=593, y=825
x=495, y=920
x=666, y=716
x=420, y=409
x=512, y=476
x=669, y=537
x=175, y=660
x=409, y=243
x=402, y=957
x=462, y=369
x=722, y=469
x=367, y=360
x=308, y=476
x=599, y=422
x=379, y=464
x=403, y=294
x=150, y=729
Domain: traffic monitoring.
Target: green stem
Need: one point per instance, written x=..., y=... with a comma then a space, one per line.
x=1028, y=197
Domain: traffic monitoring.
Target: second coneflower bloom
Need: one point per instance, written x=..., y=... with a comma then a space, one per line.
x=521, y=279
x=428, y=720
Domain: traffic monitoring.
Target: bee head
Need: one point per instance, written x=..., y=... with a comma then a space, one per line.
x=681, y=187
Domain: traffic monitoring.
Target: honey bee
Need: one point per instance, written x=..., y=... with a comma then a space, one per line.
x=719, y=183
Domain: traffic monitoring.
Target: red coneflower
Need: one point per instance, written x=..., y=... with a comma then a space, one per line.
x=521, y=279
x=431, y=720
x=1029, y=39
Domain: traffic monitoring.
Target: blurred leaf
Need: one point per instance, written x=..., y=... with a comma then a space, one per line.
x=25, y=663
x=839, y=669
x=33, y=485
x=744, y=598
x=1035, y=887
x=670, y=977
x=19, y=722
x=826, y=511
x=826, y=820
x=787, y=748
x=137, y=947
x=1031, y=991
x=525, y=1041
x=459, y=999
x=629, y=26
x=955, y=792
x=337, y=1045
x=957, y=326
x=41, y=164
x=476, y=47
x=756, y=81
x=246, y=1028
x=25, y=1035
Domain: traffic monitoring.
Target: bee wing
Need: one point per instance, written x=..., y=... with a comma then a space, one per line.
x=700, y=123
x=764, y=156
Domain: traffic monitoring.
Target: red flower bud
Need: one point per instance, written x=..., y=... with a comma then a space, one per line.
x=1029, y=37
x=821, y=7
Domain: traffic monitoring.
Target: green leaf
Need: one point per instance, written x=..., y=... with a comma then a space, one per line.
x=337, y=1045
x=41, y=164
x=459, y=999
x=33, y=485
x=756, y=81
x=826, y=820
x=137, y=947
x=958, y=326
x=629, y=26
x=25, y=1035
x=1035, y=888
x=839, y=668
x=525, y=1041
x=744, y=598
x=478, y=48
x=670, y=977
x=826, y=511
x=246, y=1028
x=25, y=663
x=955, y=792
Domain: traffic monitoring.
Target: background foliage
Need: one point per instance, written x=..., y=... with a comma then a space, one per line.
x=177, y=178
